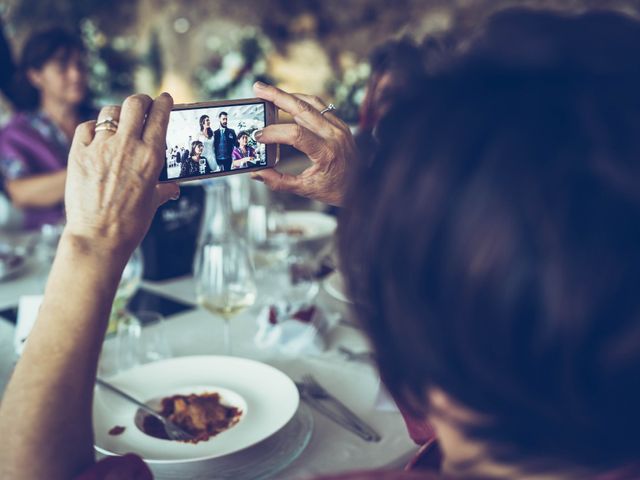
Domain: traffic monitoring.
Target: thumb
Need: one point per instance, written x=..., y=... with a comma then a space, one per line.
x=165, y=192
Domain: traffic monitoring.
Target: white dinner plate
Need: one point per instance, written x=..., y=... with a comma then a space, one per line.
x=334, y=286
x=267, y=397
x=313, y=225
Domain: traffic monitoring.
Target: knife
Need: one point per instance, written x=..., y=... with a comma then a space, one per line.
x=320, y=399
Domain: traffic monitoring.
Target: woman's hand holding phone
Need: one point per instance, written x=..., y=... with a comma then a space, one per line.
x=112, y=192
x=325, y=139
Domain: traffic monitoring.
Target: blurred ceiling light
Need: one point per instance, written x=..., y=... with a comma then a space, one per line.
x=181, y=25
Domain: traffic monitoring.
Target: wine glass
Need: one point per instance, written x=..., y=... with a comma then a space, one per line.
x=225, y=283
x=128, y=286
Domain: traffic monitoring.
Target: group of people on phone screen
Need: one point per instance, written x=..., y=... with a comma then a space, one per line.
x=212, y=151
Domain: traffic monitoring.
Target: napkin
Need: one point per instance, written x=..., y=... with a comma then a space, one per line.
x=293, y=329
x=28, y=308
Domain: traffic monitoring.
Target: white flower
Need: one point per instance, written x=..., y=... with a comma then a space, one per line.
x=364, y=70
x=100, y=67
x=358, y=96
x=259, y=67
x=350, y=76
x=232, y=61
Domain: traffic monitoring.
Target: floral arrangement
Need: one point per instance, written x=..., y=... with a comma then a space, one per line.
x=111, y=62
x=349, y=89
x=234, y=65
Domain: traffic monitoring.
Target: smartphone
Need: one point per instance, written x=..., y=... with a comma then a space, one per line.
x=214, y=139
x=146, y=300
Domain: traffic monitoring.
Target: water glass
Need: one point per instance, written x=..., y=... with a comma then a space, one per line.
x=137, y=345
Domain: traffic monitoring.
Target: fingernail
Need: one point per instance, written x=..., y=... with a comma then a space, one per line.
x=260, y=84
x=256, y=176
x=176, y=196
x=258, y=134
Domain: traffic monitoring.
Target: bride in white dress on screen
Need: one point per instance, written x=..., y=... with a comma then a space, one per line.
x=205, y=135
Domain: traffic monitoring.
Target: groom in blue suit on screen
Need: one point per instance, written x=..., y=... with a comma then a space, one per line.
x=224, y=140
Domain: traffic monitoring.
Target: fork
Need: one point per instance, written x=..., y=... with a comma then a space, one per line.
x=174, y=432
x=314, y=393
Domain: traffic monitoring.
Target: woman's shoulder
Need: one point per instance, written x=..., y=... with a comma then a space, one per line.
x=19, y=131
x=19, y=122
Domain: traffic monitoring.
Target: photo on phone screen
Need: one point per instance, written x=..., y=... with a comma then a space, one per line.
x=211, y=139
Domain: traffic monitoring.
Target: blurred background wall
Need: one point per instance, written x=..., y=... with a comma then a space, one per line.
x=206, y=49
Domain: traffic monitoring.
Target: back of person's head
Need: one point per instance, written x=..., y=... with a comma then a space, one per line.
x=398, y=55
x=396, y=68
x=492, y=247
x=39, y=49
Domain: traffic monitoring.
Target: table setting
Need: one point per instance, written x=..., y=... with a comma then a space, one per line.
x=275, y=342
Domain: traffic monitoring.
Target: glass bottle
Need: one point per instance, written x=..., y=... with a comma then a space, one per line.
x=223, y=271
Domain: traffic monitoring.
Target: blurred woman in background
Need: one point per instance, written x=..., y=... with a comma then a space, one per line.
x=50, y=92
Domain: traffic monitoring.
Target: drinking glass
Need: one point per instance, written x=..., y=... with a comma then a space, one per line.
x=225, y=283
x=129, y=284
x=137, y=345
x=267, y=237
x=154, y=340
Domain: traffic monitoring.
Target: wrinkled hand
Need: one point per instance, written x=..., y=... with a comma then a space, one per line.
x=325, y=139
x=112, y=189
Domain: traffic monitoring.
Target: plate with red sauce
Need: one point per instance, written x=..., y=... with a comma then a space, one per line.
x=250, y=401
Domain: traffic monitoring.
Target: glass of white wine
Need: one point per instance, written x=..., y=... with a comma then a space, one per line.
x=225, y=283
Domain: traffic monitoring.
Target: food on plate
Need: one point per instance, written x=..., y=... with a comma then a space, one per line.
x=117, y=430
x=292, y=230
x=202, y=415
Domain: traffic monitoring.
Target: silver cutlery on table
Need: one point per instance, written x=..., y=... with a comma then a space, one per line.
x=350, y=355
x=174, y=432
x=349, y=323
x=320, y=399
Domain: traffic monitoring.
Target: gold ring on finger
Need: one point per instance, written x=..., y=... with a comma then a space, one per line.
x=106, y=127
x=109, y=122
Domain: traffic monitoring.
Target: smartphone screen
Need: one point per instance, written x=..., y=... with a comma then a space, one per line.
x=145, y=300
x=212, y=139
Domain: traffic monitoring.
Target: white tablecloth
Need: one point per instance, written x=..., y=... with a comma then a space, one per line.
x=332, y=449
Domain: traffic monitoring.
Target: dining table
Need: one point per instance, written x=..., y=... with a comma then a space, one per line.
x=194, y=331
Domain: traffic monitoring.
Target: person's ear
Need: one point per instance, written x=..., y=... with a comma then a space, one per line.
x=35, y=77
